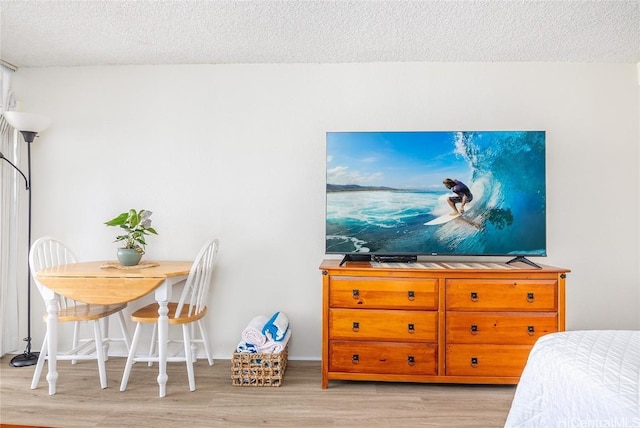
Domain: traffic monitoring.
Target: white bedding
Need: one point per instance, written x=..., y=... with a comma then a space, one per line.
x=580, y=379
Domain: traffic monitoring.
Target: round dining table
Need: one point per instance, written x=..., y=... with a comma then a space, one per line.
x=108, y=283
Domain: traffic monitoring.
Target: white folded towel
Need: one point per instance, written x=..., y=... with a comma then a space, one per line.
x=276, y=327
x=273, y=347
x=253, y=332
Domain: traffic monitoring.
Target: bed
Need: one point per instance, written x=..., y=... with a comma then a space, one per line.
x=580, y=379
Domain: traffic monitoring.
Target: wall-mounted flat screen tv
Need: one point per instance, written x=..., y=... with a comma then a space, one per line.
x=466, y=193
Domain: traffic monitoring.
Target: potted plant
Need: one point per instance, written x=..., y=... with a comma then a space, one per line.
x=137, y=225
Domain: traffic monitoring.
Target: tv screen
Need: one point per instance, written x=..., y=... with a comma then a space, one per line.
x=436, y=193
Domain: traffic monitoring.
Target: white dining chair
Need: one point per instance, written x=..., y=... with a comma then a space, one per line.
x=188, y=312
x=48, y=252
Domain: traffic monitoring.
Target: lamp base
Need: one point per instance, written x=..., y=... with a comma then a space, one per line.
x=25, y=359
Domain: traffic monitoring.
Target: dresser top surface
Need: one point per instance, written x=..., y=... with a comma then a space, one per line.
x=439, y=266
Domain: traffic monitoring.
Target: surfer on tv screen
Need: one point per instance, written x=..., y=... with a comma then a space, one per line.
x=463, y=195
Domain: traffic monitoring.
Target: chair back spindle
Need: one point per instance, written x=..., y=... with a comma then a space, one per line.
x=48, y=252
x=196, y=290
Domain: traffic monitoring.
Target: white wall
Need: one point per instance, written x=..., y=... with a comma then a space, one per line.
x=237, y=152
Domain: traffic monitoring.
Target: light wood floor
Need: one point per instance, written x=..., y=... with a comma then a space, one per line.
x=299, y=402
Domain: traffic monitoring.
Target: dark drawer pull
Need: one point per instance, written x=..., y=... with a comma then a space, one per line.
x=355, y=359
x=411, y=360
x=355, y=294
x=531, y=329
x=474, y=329
x=356, y=326
x=411, y=295
x=474, y=362
x=530, y=297
x=411, y=328
x=474, y=296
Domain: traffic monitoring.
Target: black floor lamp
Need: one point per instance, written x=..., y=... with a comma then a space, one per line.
x=29, y=124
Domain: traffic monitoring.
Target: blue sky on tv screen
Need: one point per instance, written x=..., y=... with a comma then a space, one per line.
x=403, y=160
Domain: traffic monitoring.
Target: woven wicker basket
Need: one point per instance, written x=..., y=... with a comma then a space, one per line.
x=258, y=369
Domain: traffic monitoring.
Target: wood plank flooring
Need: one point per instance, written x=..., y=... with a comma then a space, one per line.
x=299, y=402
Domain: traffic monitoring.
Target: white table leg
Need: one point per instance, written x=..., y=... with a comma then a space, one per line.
x=163, y=327
x=163, y=296
x=52, y=341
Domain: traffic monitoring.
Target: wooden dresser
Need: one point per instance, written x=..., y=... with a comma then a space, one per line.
x=445, y=322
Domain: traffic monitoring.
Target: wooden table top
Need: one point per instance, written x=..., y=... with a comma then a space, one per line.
x=95, y=283
x=104, y=269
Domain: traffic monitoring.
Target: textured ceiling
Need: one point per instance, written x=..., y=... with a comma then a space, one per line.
x=37, y=33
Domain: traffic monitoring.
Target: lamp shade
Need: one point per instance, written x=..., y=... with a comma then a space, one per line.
x=30, y=122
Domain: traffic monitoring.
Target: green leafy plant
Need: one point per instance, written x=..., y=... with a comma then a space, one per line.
x=137, y=225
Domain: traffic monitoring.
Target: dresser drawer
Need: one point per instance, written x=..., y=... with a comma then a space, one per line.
x=383, y=357
x=486, y=360
x=378, y=324
x=501, y=295
x=522, y=328
x=383, y=293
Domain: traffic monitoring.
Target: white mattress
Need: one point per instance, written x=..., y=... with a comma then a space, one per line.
x=580, y=379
